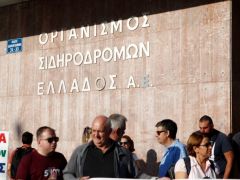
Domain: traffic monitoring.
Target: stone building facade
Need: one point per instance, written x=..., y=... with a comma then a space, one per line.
x=148, y=60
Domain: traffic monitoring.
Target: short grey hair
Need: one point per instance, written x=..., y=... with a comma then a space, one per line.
x=108, y=125
x=117, y=121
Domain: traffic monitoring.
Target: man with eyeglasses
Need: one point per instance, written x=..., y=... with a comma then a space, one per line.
x=222, y=152
x=44, y=162
x=101, y=157
x=166, y=135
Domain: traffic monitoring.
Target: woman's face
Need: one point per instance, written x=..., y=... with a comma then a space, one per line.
x=124, y=143
x=204, y=149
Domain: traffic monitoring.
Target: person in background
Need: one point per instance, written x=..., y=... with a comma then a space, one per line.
x=101, y=157
x=44, y=162
x=222, y=152
x=17, y=155
x=236, y=148
x=86, y=136
x=118, y=125
x=166, y=131
x=199, y=149
x=128, y=143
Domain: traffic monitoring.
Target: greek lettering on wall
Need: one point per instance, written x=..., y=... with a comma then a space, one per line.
x=85, y=57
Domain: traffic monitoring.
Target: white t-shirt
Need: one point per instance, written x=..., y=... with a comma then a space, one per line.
x=196, y=172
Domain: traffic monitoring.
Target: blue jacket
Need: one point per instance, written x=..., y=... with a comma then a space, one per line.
x=172, y=154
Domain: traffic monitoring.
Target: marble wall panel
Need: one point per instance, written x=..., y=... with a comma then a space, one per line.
x=186, y=75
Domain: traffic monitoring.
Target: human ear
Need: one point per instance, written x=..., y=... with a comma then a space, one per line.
x=38, y=141
x=168, y=133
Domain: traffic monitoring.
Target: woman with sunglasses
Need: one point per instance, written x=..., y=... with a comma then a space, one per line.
x=128, y=143
x=199, y=149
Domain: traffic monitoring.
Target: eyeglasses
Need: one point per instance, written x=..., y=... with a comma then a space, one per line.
x=209, y=144
x=123, y=143
x=51, y=139
x=159, y=132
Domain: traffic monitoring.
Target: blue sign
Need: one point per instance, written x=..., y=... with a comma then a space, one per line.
x=14, y=45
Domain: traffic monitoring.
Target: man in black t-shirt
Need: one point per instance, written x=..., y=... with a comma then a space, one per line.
x=102, y=157
x=222, y=153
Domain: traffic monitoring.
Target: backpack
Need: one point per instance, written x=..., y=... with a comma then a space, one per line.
x=19, y=153
x=187, y=162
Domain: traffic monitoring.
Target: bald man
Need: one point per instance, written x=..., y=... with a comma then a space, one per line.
x=101, y=157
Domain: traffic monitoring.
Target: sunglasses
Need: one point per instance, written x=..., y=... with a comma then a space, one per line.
x=159, y=132
x=123, y=143
x=51, y=139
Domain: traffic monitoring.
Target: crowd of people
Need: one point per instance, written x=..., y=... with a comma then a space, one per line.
x=107, y=152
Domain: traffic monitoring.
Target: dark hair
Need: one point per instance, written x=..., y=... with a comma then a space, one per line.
x=170, y=126
x=27, y=138
x=194, y=139
x=130, y=142
x=206, y=118
x=42, y=129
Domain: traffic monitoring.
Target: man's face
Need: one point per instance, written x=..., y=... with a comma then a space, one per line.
x=205, y=127
x=48, y=141
x=119, y=133
x=100, y=135
x=161, y=135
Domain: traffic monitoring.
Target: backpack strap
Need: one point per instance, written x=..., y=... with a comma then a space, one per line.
x=212, y=166
x=187, y=164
